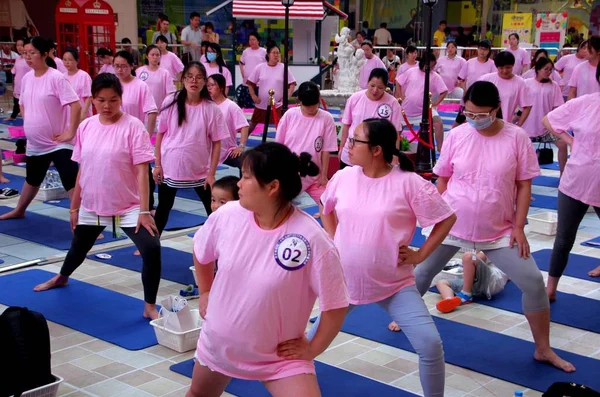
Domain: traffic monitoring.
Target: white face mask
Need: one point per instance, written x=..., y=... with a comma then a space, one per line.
x=481, y=124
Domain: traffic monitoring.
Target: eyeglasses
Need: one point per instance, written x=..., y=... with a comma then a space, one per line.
x=195, y=79
x=354, y=141
x=31, y=53
x=121, y=67
x=477, y=116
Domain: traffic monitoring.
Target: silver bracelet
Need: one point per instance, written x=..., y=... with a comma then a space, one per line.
x=145, y=213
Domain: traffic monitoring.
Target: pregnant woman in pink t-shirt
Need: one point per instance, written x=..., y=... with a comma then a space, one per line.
x=371, y=212
x=254, y=324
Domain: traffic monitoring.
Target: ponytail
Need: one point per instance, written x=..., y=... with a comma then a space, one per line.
x=306, y=166
x=404, y=163
x=382, y=133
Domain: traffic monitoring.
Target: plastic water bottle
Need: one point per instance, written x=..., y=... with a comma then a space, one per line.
x=518, y=393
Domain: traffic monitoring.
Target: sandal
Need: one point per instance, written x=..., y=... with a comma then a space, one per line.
x=448, y=305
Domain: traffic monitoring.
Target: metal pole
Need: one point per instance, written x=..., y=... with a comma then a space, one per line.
x=424, y=161
x=285, y=58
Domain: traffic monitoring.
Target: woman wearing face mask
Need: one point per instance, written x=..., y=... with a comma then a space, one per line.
x=252, y=56
x=485, y=164
x=365, y=104
x=80, y=80
x=448, y=67
x=159, y=80
x=531, y=73
x=567, y=64
x=19, y=70
x=216, y=64
x=168, y=60
x=582, y=81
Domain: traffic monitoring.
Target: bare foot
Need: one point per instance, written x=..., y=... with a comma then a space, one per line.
x=137, y=253
x=55, y=282
x=14, y=214
x=9, y=119
x=595, y=272
x=317, y=215
x=3, y=179
x=150, y=311
x=394, y=327
x=550, y=357
x=100, y=237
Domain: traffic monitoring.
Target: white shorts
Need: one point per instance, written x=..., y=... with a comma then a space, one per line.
x=128, y=219
x=466, y=245
x=416, y=120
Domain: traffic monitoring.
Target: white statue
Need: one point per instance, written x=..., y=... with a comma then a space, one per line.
x=350, y=61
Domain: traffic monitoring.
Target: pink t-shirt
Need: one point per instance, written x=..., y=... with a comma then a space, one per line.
x=138, y=100
x=483, y=172
x=224, y=72
x=567, y=65
x=405, y=67
x=235, y=120
x=545, y=97
x=265, y=290
x=171, y=63
x=159, y=81
x=313, y=135
x=266, y=77
x=584, y=79
x=368, y=239
x=82, y=84
x=581, y=179
x=473, y=70
x=107, y=156
x=44, y=100
x=513, y=93
x=107, y=68
x=365, y=71
x=413, y=86
x=448, y=69
x=530, y=74
x=19, y=70
x=185, y=150
x=522, y=58
x=359, y=108
x=60, y=66
x=252, y=58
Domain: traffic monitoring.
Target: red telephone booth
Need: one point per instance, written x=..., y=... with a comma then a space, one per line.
x=85, y=28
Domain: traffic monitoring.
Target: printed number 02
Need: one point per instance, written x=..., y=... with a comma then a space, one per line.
x=287, y=254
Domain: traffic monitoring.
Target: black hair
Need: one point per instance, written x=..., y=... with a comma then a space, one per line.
x=460, y=30
x=256, y=35
x=209, y=25
x=229, y=184
x=73, y=53
x=488, y=46
x=365, y=24
x=162, y=38
x=540, y=64
x=309, y=93
x=422, y=60
x=411, y=49
x=594, y=42
x=598, y=73
x=383, y=25
x=488, y=26
x=382, y=133
x=538, y=52
x=504, y=58
x=104, y=81
x=151, y=47
x=453, y=43
x=50, y=62
x=103, y=52
x=219, y=79
x=361, y=33
x=584, y=43
x=52, y=44
x=126, y=55
x=443, y=21
x=194, y=14
x=181, y=95
x=125, y=40
x=40, y=44
x=273, y=161
x=20, y=39
x=514, y=34
x=484, y=94
x=270, y=46
x=367, y=42
x=220, y=61
x=379, y=73
x=163, y=17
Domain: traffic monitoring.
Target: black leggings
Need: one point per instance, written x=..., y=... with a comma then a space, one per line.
x=166, y=199
x=84, y=238
x=570, y=215
x=16, y=108
x=234, y=162
x=152, y=187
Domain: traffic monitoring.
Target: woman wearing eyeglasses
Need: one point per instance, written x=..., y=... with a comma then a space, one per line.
x=485, y=167
x=188, y=145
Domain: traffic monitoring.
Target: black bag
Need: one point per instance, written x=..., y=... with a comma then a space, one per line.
x=568, y=389
x=545, y=154
x=25, y=347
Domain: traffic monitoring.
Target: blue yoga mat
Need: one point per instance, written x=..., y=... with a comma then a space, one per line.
x=98, y=312
x=479, y=350
x=18, y=122
x=44, y=230
x=175, y=264
x=177, y=219
x=554, y=166
x=594, y=243
x=578, y=267
x=418, y=239
x=312, y=211
x=333, y=382
x=16, y=182
x=541, y=201
x=569, y=309
x=547, y=181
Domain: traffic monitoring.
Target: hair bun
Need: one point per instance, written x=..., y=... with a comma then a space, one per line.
x=306, y=165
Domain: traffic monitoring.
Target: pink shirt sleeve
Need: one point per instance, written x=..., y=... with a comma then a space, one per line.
x=396, y=115
x=558, y=96
x=87, y=86
x=428, y=205
x=443, y=167
x=255, y=75
x=140, y=148
x=65, y=92
x=239, y=120
x=574, y=77
x=524, y=100
x=401, y=78
x=561, y=63
x=177, y=65
x=329, y=198
x=76, y=156
x=281, y=131
x=169, y=85
x=243, y=57
x=347, y=117
x=148, y=104
x=227, y=75
x=438, y=85
x=560, y=118
x=464, y=71
x=217, y=128
x=527, y=162
x=330, y=143
x=163, y=120
x=205, y=239
x=327, y=281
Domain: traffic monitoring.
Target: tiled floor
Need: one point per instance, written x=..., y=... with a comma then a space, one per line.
x=92, y=367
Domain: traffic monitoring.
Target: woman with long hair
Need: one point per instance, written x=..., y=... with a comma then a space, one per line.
x=216, y=64
x=532, y=73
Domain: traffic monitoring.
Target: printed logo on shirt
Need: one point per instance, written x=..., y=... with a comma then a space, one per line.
x=144, y=76
x=292, y=252
x=384, y=111
x=319, y=144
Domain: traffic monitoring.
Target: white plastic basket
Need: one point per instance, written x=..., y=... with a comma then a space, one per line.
x=543, y=223
x=179, y=341
x=56, y=193
x=193, y=269
x=50, y=390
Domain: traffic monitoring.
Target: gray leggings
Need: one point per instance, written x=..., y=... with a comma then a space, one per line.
x=523, y=272
x=570, y=215
x=407, y=309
